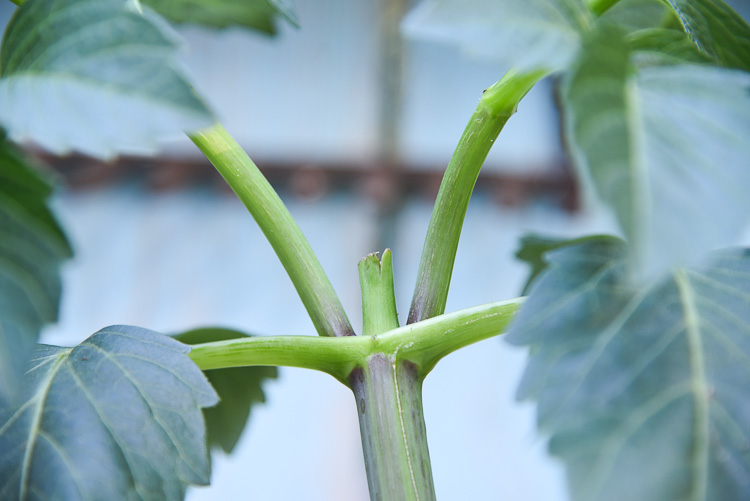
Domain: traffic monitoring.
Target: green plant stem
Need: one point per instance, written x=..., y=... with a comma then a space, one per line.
x=378, y=299
x=427, y=342
x=496, y=106
x=422, y=344
x=334, y=356
x=388, y=394
x=287, y=240
x=384, y=370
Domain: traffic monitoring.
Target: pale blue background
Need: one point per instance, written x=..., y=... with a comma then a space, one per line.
x=194, y=257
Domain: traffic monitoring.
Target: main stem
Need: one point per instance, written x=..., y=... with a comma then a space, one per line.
x=388, y=393
x=497, y=105
x=279, y=227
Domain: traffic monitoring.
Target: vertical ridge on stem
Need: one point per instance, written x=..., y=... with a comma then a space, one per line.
x=388, y=393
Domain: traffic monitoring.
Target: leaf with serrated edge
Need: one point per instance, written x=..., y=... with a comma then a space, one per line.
x=661, y=146
x=717, y=30
x=100, y=78
x=644, y=392
x=116, y=417
x=528, y=35
x=32, y=248
x=239, y=388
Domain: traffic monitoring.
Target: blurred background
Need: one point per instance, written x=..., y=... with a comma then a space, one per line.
x=353, y=125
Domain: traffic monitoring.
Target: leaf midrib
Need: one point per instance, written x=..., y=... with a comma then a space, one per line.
x=36, y=421
x=699, y=387
x=640, y=202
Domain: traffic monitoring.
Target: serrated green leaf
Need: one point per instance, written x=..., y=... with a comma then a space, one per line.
x=644, y=392
x=239, y=388
x=97, y=76
x=533, y=34
x=116, y=417
x=661, y=146
x=717, y=30
x=32, y=248
x=259, y=15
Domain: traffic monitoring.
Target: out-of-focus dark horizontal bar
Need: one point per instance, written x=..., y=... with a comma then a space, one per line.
x=384, y=184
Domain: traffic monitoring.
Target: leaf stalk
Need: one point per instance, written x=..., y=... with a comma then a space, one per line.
x=497, y=105
x=277, y=224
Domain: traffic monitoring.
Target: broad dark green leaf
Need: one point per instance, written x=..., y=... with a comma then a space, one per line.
x=527, y=35
x=645, y=393
x=259, y=15
x=661, y=146
x=239, y=388
x=32, y=248
x=717, y=30
x=97, y=76
x=116, y=417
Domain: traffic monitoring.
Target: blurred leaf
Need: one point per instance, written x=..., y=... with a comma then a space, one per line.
x=644, y=392
x=32, y=248
x=116, y=417
x=96, y=76
x=259, y=15
x=660, y=47
x=663, y=146
x=636, y=15
x=238, y=388
x=285, y=10
x=653, y=32
x=528, y=35
x=533, y=251
x=717, y=30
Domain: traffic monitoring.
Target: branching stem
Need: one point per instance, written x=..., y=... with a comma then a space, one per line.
x=423, y=344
